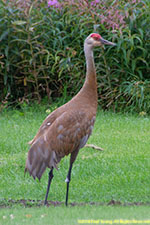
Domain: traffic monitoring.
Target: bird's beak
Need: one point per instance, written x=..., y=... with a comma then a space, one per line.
x=105, y=42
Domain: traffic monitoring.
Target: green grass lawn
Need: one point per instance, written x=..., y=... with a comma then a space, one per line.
x=75, y=215
x=120, y=173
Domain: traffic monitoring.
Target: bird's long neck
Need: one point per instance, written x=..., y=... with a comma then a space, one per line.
x=90, y=84
x=88, y=93
x=90, y=66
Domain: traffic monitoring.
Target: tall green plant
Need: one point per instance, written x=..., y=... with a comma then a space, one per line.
x=130, y=63
x=42, y=50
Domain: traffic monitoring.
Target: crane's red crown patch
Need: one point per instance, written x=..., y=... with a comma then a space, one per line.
x=96, y=36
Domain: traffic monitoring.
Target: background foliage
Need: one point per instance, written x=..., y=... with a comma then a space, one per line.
x=41, y=52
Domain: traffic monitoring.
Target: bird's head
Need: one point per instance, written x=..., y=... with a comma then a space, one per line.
x=95, y=39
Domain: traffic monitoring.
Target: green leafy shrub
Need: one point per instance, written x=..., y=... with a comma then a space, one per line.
x=42, y=51
x=130, y=64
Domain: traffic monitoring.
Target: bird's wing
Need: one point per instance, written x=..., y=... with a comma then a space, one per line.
x=46, y=124
x=69, y=132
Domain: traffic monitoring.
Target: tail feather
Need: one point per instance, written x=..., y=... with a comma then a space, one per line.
x=40, y=156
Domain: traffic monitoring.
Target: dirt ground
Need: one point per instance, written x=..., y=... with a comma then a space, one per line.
x=39, y=203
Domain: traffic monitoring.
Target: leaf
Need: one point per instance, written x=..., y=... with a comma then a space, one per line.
x=4, y=35
x=25, y=81
x=143, y=60
x=133, y=65
x=19, y=22
x=30, y=10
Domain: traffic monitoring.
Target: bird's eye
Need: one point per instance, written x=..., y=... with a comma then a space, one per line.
x=96, y=38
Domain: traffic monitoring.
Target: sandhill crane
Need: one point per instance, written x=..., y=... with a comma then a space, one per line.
x=67, y=129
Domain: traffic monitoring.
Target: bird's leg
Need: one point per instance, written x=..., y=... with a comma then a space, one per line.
x=49, y=183
x=68, y=178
